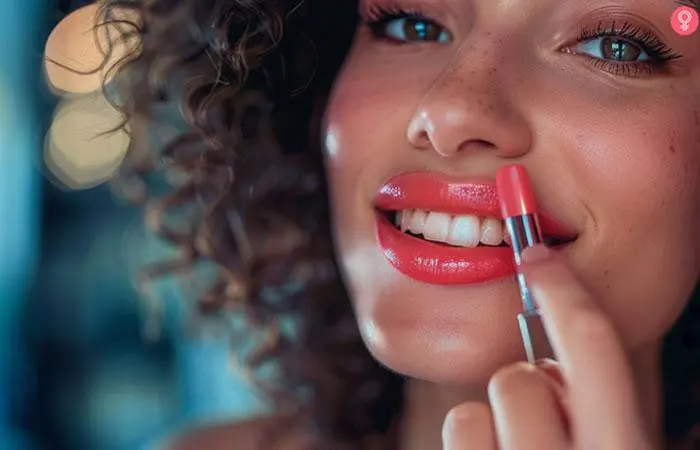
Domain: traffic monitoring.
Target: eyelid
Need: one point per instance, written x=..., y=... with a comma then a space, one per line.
x=437, y=11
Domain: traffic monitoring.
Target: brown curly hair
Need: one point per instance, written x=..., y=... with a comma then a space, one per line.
x=247, y=192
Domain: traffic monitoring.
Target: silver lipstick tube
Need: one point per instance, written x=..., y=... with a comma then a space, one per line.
x=524, y=232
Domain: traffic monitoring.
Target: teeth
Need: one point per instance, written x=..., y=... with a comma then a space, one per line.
x=401, y=218
x=492, y=231
x=417, y=221
x=437, y=226
x=463, y=231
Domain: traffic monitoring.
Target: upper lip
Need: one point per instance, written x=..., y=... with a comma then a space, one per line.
x=457, y=196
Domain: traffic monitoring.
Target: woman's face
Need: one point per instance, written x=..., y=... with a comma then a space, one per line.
x=599, y=100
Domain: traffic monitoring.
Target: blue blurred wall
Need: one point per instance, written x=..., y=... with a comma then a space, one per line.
x=19, y=140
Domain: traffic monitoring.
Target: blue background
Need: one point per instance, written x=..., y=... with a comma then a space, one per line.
x=76, y=371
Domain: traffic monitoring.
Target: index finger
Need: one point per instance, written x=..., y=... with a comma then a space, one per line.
x=604, y=410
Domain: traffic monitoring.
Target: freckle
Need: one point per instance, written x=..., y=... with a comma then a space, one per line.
x=472, y=72
x=607, y=286
x=673, y=148
x=607, y=271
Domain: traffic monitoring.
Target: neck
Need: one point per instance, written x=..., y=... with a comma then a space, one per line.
x=427, y=403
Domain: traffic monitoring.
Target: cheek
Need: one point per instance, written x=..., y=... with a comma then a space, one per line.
x=640, y=174
x=637, y=174
x=373, y=99
x=361, y=125
x=358, y=121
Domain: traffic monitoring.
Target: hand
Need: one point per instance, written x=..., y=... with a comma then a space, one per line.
x=594, y=406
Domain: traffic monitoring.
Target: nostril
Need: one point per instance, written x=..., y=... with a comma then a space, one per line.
x=419, y=139
x=476, y=144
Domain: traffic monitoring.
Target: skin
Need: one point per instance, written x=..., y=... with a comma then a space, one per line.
x=613, y=156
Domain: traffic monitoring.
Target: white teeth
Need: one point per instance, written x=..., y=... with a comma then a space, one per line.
x=463, y=231
x=437, y=226
x=492, y=231
x=417, y=221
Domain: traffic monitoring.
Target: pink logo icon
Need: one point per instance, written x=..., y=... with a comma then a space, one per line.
x=684, y=20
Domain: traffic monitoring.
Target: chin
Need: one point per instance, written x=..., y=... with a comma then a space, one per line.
x=439, y=345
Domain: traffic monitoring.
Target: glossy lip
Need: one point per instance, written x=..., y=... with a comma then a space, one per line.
x=437, y=263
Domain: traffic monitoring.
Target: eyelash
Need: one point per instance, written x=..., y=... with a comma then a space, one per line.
x=376, y=18
x=659, y=53
x=373, y=14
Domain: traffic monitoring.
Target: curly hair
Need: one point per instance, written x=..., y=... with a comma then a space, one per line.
x=247, y=192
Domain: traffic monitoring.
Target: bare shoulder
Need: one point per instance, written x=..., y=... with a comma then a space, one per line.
x=244, y=435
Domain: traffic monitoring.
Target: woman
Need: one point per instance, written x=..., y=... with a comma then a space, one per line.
x=414, y=100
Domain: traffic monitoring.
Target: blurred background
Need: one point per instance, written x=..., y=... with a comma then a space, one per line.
x=77, y=370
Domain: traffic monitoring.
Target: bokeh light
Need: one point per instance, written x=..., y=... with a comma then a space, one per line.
x=76, y=50
x=82, y=148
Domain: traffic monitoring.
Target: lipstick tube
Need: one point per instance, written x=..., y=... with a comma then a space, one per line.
x=519, y=210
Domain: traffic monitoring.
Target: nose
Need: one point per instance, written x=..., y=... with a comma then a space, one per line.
x=467, y=109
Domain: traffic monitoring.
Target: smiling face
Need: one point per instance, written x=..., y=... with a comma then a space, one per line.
x=599, y=100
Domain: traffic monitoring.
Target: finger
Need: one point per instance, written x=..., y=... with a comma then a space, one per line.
x=469, y=426
x=604, y=411
x=525, y=410
x=552, y=371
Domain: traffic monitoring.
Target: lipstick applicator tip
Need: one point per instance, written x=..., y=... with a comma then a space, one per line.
x=515, y=192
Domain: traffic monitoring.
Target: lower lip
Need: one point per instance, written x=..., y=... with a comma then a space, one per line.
x=441, y=264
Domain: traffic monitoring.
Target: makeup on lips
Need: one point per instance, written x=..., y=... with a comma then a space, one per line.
x=446, y=230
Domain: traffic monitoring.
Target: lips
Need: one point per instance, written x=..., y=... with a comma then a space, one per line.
x=438, y=263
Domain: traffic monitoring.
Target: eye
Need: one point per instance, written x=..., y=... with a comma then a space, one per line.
x=610, y=48
x=623, y=48
x=412, y=29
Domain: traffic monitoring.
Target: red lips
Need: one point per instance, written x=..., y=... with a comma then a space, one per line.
x=437, y=263
x=429, y=191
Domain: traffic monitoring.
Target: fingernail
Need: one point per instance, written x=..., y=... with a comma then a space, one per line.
x=546, y=362
x=552, y=369
x=536, y=253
